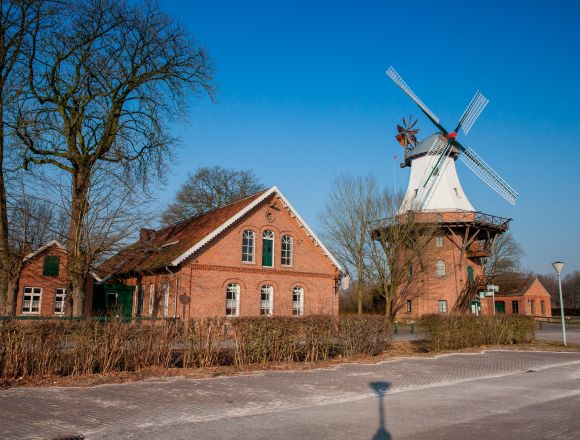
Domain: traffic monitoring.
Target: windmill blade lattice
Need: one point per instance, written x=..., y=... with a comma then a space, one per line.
x=392, y=73
x=472, y=112
x=487, y=174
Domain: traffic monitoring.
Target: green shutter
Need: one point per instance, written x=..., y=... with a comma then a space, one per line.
x=51, y=266
x=267, y=246
x=470, y=274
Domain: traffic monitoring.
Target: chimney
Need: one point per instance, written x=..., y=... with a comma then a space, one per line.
x=146, y=234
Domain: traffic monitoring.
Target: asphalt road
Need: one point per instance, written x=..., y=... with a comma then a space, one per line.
x=492, y=395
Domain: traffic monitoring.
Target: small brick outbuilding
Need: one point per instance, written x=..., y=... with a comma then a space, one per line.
x=532, y=299
x=254, y=257
x=44, y=281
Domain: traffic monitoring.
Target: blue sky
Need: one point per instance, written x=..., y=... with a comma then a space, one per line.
x=302, y=96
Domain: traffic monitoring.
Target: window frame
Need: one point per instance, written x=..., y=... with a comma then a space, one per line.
x=271, y=237
x=442, y=302
x=165, y=295
x=300, y=309
x=31, y=294
x=269, y=289
x=440, y=269
x=151, y=298
x=235, y=289
x=439, y=241
x=63, y=300
x=289, y=251
x=248, y=247
x=409, y=306
x=543, y=307
x=516, y=309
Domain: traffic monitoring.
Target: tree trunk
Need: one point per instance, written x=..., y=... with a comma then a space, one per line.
x=4, y=248
x=77, y=268
x=13, y=287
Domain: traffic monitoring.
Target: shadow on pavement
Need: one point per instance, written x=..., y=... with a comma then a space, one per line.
x=381, y=389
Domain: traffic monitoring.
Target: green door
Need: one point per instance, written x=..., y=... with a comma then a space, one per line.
x=500, y=307
x=267, y=252
x=470, y=274
x=113, y=300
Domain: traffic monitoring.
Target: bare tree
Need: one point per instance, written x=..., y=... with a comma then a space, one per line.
x=346, y=219
x=505, y=256
x=18, y=24
x=105, y=80
x=33, y=222
x=397, y=252
x=210, y=188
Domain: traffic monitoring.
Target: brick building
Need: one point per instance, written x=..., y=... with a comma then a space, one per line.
x=44, y=281
x=252, y=257
x=531, y=299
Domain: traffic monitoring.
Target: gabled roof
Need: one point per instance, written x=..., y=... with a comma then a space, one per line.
x=172, y=245
x=43, y=248
x=521, y=288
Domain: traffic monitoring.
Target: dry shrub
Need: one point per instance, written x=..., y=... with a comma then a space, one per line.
x=77, y=347
x=449, y=332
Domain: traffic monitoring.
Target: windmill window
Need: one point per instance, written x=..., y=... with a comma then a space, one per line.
x=415, y=192
x=440, y=268
x=439, y=241
x=442, y=306
x=59, y=298
x=409, y=306
x=268, y=248
x=248, y=246
x=233, y=300
x=286, y=250
x=297, y=301
x=266, y=300
x=31, y=300
x=51, y=266
x=456, y=192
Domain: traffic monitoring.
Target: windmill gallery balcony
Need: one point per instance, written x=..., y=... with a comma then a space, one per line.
x=448, y=218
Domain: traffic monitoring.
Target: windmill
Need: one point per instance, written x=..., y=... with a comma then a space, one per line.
x=452, y=265
x=433, y=160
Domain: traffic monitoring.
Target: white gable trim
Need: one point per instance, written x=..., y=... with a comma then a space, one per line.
x=209, y=237
x=55, y=243
x=44, y=247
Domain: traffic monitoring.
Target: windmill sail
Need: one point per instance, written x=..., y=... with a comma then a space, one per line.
x=487, y=174
x=472, y=112
x=392, y=73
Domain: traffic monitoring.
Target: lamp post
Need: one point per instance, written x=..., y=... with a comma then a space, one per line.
x=558, y=267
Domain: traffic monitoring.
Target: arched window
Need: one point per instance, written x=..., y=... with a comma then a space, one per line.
x=266, y=300
x=248, y=246
x=268, y=248
x=440, y=268
x=286, y=250
x=297, y=301
x=233, y=300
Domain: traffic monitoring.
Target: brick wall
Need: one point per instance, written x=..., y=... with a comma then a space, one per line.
x=32, y=276
x=433, y=287
x=204, y=277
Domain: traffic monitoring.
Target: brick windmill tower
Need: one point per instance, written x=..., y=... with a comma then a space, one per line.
x=464, y=237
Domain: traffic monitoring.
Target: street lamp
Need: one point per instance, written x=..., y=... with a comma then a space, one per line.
x=558, y=267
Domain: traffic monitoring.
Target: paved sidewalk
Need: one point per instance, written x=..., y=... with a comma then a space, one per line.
x=179, y=408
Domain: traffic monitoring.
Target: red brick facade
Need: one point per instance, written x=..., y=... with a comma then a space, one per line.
x=440, y=284
x=531, y=301
x=36, y=286
x=203, y=278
